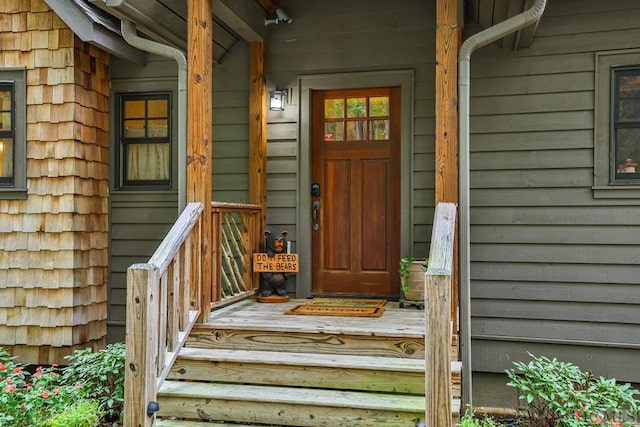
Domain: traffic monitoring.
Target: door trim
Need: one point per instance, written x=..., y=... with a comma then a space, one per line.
x=306, y=84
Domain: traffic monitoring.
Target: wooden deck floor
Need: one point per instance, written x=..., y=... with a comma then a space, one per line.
x=407, y=321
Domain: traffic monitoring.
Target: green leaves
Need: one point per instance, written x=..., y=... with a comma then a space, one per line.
x=558, y=393
x=102, y=376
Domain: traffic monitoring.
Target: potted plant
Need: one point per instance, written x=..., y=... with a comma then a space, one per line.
x=411, y=272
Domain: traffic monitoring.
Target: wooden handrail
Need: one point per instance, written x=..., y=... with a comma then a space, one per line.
x=163, y=304
x=438, y=327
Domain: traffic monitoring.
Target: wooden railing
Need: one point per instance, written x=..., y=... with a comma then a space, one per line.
x=236, y=236
x=438, y=328
x=163, y=304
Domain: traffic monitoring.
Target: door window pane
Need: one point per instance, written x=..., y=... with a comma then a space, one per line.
x=356, y=107
x=334, y=108
x=356, y=130
x=333, y=131
x=379, y=106
x=379, y=130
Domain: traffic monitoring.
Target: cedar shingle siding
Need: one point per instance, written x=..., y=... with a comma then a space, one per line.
x=53, y=264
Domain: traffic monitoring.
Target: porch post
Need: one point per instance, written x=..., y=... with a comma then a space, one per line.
x=258, y=130
x=200, y=132
x=446, y=140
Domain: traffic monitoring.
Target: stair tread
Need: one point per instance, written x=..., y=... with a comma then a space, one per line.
x=308, y=359
x=293, y=395
x=182, y=423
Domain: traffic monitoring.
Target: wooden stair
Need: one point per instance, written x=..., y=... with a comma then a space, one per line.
x=298, y=374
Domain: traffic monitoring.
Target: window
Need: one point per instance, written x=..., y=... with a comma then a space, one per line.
x=145, y=140
x=7, y=131
x=12, y=133
x=617, y=125
x=625, y=124
x=366, y=119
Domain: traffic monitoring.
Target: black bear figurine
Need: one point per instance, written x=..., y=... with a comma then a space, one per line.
x=275, y=282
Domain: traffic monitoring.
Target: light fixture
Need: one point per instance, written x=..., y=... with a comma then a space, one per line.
x=277, y=99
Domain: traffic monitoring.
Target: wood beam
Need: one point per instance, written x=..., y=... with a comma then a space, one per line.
x=269, y=5
x=258, y=130
x=200, y=132
x=447, y=46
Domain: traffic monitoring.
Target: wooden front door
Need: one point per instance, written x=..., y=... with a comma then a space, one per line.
x=356, y=191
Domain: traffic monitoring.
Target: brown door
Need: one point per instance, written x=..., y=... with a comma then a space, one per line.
x=356, y=170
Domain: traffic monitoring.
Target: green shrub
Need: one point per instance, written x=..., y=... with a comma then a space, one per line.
x=559, y=394
x=469, y=420
x=32, y=398
x=83, y=413
x=101, y=374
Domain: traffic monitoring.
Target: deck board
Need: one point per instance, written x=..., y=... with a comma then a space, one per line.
x=408, y=322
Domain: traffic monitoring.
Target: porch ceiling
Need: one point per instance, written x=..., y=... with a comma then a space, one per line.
x=487, y=13
x=166, y=20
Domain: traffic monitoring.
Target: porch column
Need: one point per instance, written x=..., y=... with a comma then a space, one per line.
x=200, y=133
x=446, y=140
x=258, y=130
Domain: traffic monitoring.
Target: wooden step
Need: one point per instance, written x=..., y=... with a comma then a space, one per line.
x=318, y=342
x=182, y=423
x=288, y=406
x=252, y=326
x=386, y=374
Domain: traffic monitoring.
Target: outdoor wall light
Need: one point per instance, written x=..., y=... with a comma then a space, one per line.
x=277, y=99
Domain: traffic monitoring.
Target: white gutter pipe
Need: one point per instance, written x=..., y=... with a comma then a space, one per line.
x=130, y=36
x=483, y=38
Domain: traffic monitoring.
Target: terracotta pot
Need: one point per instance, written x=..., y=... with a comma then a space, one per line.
x=415, y=282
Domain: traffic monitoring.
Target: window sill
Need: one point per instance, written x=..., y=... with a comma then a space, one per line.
x=616, y=192
x=13, y=193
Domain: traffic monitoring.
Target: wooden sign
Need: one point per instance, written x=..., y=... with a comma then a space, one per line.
x=280, y=263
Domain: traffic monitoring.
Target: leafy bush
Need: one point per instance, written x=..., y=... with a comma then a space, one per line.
x=83, y=413
x=101, y=374
x=559, y=394
x=30, y=399
x=89, y=391
x=469, y=420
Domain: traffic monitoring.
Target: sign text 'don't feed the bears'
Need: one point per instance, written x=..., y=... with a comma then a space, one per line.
x=281, y=263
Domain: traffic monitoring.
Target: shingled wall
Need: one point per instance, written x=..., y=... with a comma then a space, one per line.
x=53, y=259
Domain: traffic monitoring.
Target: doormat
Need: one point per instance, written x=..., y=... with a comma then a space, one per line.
x=347, y=307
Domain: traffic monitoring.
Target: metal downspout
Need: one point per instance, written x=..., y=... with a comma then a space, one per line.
x=474, y=42
x=130, y=36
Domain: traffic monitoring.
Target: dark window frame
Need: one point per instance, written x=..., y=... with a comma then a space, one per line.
x=617, y=124
x=15, y=187
x=10, y=86
x=124, y=141
x=604, y=186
